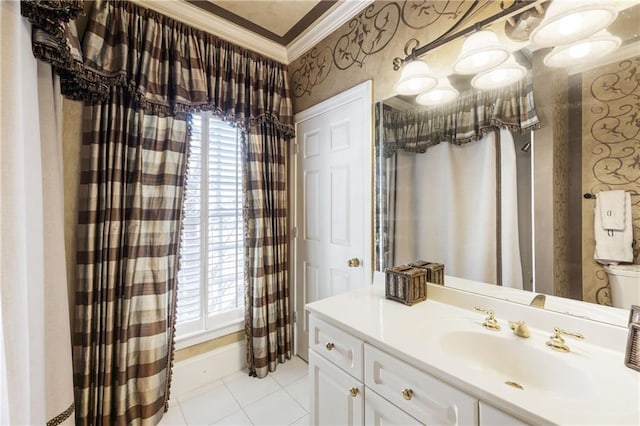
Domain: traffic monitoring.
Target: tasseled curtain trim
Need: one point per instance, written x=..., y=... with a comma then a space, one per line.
x=166, y=66
x=468, y=119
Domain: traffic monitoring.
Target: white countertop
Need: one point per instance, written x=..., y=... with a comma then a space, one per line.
x=605, y=392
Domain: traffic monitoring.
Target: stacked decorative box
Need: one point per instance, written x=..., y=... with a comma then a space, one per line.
x=406, y=284
x=632, y=355
x=435, y=271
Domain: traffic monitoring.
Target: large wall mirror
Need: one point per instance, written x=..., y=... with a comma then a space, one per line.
x=515, y=210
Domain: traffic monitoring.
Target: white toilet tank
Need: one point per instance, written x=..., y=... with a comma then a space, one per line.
x=625, y=285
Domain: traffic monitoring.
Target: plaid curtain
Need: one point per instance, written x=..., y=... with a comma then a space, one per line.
x=132, y=188
x=267, y=319
x=469, y=119
x=139, y=73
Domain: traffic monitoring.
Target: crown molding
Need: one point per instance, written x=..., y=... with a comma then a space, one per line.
x=202, y=20
x=328, y=23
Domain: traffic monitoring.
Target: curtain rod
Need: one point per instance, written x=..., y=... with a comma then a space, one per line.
x=518, y=6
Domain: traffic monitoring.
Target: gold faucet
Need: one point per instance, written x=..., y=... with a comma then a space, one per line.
x=490, y=322
x=519, y=329
x=557, y=343
x=538, y=301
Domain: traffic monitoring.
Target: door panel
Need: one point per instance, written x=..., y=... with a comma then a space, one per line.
x=332, y=201
x=340, y=215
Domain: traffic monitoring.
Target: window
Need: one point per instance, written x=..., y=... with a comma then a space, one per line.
x=211, y=277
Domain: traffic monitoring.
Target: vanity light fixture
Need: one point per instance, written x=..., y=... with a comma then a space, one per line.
x=503, y=75
x=415, y=78
x=567, y=21
x=480, y=52
x=443, y=93
x=594, y=47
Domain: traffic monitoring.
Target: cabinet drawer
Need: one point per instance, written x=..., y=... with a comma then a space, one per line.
x=424, y=397
x=490, y=416
x=341, y=348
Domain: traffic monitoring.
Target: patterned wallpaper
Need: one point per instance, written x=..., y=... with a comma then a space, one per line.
x=364, y=47
x=610, y=155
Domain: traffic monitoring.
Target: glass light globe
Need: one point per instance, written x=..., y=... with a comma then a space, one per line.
x=567, y=21
x=480, y=52
x=592, y=48
x=415, y=78
x=441, y=94
x=503, y=75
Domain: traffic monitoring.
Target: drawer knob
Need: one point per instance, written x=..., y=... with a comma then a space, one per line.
x=354, y=392
x=407, y=394
x=330, y=346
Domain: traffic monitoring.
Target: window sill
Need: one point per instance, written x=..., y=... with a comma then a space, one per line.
x=204, y=336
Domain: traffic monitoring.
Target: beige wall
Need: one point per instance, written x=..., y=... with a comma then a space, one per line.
x=363, y=48
x=610, y=155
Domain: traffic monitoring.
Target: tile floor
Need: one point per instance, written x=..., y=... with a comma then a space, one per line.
x=281, y=398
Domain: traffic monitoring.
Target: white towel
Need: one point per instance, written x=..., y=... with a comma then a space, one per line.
x=612, y=209
x=613, y=246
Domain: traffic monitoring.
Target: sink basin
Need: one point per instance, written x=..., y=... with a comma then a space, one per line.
x=518, y=361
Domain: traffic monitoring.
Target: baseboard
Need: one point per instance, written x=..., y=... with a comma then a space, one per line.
x=203, y=369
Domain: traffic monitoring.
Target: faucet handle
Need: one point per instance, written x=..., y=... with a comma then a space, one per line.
x=556, y=341
x=520, y=329
x=490, y=322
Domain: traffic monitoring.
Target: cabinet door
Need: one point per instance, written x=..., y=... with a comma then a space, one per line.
x=378, y=411
x=336, y=397
x=490, y=416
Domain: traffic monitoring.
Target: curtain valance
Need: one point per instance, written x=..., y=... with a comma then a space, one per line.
x=469, y=118
x=167, y=66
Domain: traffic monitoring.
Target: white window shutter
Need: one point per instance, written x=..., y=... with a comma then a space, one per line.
x=211, y=277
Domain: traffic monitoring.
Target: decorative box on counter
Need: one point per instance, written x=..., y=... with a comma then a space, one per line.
x=435, y=271
x=406, y=284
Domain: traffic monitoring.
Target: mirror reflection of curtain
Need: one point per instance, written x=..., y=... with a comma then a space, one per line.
x=461, y=201
x=385, y=189
x=391, y=168
x=447, y=214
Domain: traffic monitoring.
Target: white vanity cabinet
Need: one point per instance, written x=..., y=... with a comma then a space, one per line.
x=335, y=375
x=354, y=383
x=435, y=363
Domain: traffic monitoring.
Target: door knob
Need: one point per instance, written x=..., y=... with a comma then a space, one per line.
x=354, y=392
x=353, y=263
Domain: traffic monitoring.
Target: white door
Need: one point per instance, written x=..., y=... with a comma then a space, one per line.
x=339, y=398
x=332, y=220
